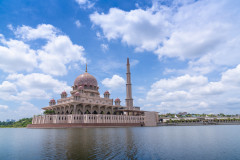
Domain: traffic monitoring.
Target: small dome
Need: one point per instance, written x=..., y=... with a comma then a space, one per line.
x=117, y=100
x=64, y=92
x=86, y=79
x=80, y=88
x=106, y=92
x=77, y=94
x=52, y=100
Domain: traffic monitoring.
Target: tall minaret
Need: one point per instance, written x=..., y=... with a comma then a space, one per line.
x=129, y=100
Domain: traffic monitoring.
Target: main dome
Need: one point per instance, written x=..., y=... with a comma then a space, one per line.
x=85, y=79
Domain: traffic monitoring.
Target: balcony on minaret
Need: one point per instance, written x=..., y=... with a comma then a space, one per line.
x=106, y=94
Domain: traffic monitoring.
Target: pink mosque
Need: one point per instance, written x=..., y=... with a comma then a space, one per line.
x=85, y=108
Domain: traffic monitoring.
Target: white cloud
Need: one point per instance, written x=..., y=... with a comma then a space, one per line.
x=53, y=57
x=8, y=90
x=3, y=107
x=104, y=47
x=85, y=3
x=43, y=31
x=197, y=94
x=25, y=110
x=32, y=86
x=116, y=82
x=134, y=62
x=16, y=56
x=78, y=23
x=204, y=32
x=59, y=52
x=80, y=2
x=140, y=28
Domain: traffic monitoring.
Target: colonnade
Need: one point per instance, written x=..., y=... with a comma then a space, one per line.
x=84, y=109
x=88, y=118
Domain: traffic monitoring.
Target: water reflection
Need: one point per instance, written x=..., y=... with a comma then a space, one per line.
x=89, y=143
x=202, y=142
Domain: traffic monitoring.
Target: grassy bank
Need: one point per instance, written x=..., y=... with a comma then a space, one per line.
x=18, y=124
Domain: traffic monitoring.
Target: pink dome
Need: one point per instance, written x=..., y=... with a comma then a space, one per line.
x=106, y=92
x=117, y=100
x=52, y=100
x=85, y=79
x=77, y=94
x=64, y=92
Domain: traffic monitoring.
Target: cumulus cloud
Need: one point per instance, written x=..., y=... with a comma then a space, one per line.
x=140, y=28
x=80, y=2
x=16, y=56
x=43, y=31
x=57, y=53
x=204, y=32
x=3, y=107
x=197, y=94
x=32, y=86
x=8, y=90
x=116, y=82
x=53, y=57
x=25, y=110
x=85, y=3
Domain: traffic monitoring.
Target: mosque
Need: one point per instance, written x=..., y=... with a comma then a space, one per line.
x=85, y=108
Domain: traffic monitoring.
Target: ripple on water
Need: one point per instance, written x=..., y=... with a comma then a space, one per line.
x=195, y=142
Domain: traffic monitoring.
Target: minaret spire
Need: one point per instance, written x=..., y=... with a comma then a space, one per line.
x=128, y=100
x=86, y=68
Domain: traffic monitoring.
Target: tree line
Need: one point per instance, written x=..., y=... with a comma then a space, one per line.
x=18, y=124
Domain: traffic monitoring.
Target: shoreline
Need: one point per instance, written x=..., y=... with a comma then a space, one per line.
x=198, y=124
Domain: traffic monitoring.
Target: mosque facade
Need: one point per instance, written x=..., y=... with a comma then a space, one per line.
x=85, y=107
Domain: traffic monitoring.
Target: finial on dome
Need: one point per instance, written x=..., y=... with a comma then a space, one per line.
x=86, y=67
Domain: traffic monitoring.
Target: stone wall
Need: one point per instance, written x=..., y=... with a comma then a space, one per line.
x=87, y=118
x=80, y=125
x=151, y=118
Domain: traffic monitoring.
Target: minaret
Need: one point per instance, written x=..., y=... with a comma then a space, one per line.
x=128, y=100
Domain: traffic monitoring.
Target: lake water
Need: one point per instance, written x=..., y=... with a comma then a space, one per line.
x=173, y=142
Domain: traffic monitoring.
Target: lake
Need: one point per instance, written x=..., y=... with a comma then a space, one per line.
x=171, y=142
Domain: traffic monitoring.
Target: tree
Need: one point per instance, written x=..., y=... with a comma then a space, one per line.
x=47, y=112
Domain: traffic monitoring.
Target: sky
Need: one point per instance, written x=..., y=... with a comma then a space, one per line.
x=184, y=54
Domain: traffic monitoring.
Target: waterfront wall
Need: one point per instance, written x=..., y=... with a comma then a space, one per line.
x=88, y=119
x=151, y=118
x=80, y=125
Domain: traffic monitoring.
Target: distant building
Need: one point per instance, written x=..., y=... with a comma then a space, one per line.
x=182, y=113
x=10, y=120
x=85, y=107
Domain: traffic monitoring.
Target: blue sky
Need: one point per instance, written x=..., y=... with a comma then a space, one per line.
x=184, y=54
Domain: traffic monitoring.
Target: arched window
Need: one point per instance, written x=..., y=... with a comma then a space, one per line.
x=95, y=112
x=102, y=112
x=80, y=112
x=87, y=112
x=108, y=112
